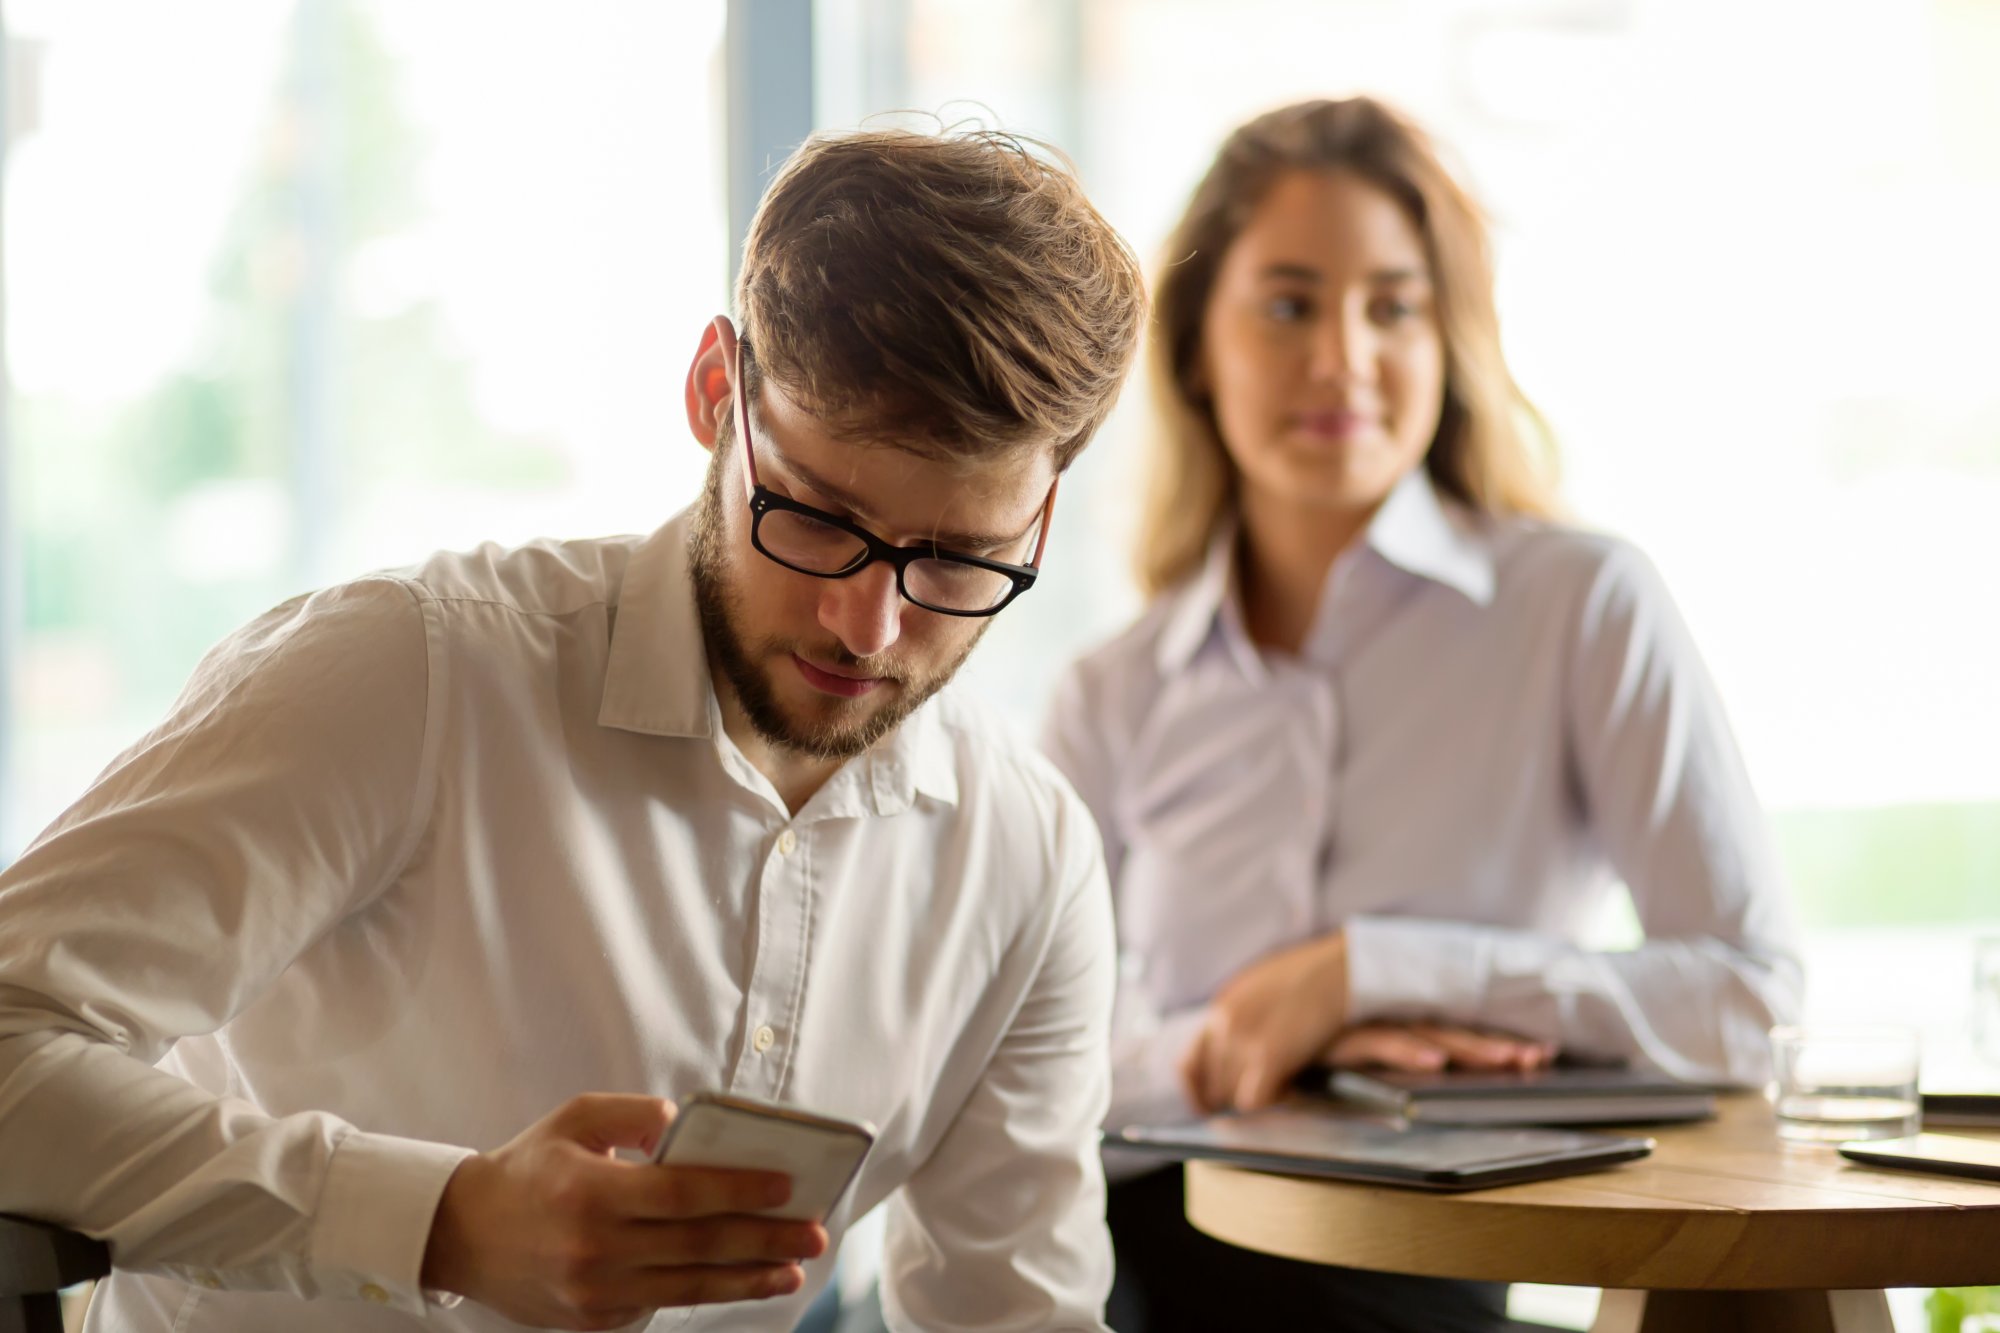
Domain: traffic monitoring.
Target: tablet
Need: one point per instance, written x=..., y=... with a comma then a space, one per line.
x=1952, y=1154
x=1308, y=1140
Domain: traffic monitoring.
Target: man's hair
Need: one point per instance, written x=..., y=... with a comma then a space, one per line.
x=953, y=295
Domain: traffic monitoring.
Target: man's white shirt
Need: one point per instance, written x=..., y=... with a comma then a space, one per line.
x=417, y=858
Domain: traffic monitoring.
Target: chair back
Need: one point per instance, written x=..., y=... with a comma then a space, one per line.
x=37, y=1261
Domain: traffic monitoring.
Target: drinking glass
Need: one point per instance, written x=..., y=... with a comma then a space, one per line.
x=1986, y=998
x=1840, y=1083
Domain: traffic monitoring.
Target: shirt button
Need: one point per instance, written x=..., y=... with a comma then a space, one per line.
x=371, y=1292
x=764, y=1039
x=209, y=1280
x=788, y=842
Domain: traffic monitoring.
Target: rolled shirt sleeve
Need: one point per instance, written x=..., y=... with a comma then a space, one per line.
x=288, y=786
x=1669, y=801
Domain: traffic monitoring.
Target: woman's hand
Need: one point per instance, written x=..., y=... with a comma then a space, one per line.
x=1421, y=1046
x=1270, y=1021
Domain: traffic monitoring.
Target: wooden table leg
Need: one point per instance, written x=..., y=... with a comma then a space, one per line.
x=1627, y=1311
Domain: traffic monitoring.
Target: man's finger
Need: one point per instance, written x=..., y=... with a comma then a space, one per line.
x=647, y=1192
x=704, y=1284
x=714, y=1240
x=601, y=1121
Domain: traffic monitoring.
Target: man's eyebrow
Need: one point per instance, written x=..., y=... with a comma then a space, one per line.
x=846, y=499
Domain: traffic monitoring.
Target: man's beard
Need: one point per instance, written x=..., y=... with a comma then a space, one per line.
x=847, y=730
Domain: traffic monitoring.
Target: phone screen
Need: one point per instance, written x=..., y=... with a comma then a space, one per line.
x=820, y=1154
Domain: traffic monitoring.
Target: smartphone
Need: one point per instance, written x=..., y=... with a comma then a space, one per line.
x=820, y=1153
x=1952, y=1154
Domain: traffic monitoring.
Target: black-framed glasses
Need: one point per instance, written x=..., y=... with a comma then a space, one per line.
x=827, y=546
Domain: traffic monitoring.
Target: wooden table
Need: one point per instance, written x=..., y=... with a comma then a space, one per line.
x=1724, y=1227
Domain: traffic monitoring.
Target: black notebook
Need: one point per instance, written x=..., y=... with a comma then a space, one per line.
x=1962, y=1110
x=1562, y=1095
x=1311, y=1138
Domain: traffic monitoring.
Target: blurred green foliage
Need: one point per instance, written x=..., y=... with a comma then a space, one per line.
x=333, y=169
x=1949, y=1309
x=1894, y=865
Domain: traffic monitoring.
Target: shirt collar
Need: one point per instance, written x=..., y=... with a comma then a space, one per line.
x=915, y=758
x=657, y=680
x=1207, y=607
x=1414, y=530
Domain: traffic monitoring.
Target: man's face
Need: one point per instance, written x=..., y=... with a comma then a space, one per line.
x=826, y=667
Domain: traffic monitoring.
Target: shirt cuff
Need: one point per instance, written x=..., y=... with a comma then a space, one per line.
x=1146, y=1074
x=374, y=1218
x=1402, y=968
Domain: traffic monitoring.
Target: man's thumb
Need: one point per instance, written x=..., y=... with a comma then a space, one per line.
x=601, y=1121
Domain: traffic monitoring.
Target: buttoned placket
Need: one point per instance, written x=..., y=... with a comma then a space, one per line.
x=1312, y=694
x=1363, y=593
x=781, y=910
x=782, y=907
x=784, y=900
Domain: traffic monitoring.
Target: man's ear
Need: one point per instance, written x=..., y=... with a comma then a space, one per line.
x=710, y=390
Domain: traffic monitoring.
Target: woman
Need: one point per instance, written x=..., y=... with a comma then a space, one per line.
x=1387, y=732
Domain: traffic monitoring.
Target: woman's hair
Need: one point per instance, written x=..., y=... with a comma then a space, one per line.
x=951, y=294
x=1492, y=448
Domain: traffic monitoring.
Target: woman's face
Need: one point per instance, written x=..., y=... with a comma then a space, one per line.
x=1320, y=346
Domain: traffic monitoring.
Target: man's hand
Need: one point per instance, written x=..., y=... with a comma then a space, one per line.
x=1271, y=1020
x=1422, y=1046
x=553, y=1230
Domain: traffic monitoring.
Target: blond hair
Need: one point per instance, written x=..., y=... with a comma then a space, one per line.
x=952, y=294
x=1492, y=450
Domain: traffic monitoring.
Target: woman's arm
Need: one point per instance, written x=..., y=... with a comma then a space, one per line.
x=1146, y=1044
x=1667, y=798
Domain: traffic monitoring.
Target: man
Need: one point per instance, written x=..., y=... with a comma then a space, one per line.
x=506, y=852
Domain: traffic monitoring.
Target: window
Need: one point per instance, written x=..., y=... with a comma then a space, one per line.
x=295, y=291
x=1747, y=267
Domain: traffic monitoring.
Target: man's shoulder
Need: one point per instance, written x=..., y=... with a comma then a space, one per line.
x=546, y=576
x=994, y=760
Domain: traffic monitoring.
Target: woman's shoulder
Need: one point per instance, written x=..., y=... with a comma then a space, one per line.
x=1600, y=591
x=1544, y=558
x=1128, y=657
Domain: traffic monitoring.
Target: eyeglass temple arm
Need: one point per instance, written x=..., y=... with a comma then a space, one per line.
x=1048, y=513
x=742, y=396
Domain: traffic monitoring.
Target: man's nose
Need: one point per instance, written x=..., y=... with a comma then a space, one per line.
x=865, y=610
